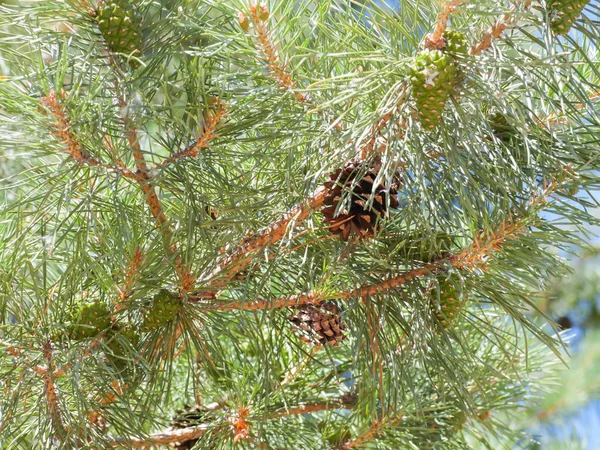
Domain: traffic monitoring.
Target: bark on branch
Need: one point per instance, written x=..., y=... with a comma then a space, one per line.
x=171, y=436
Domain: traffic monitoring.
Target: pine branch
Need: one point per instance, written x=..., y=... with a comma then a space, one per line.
x=435, y=40
x=241, y=256
x=214, y=119
x=238, y=422
x=144, y=181
x=475, y=256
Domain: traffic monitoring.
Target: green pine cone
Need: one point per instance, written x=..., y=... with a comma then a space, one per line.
x=119, y=344
x=164, y=308
x=418, y=248
x=433, y=79
x=456, y=43
x=449, y=306
x=121, y=28
x=563, y=13
x=501, y=128
x=89, y=320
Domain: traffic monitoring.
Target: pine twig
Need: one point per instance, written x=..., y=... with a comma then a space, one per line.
x=278, y=70
x=163, y=438
x=239, y=258
x=132, y=274
x=435, y=40
x=260, y=16
x=62, y=131
x=498, y=28
x=144, y=181
x=215, y=117
x=347, y=401
x=51, y=394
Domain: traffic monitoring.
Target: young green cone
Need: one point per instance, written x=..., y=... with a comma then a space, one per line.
x=165, y=307
x=433, y=78
x=88, y=320
x=456, y=43
x=449, y=306
x=121, y=28
x=563, y=13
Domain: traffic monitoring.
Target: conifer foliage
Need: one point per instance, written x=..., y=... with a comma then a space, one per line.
x=322, y=223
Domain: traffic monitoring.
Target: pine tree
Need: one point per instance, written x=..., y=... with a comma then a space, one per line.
x=238, y=225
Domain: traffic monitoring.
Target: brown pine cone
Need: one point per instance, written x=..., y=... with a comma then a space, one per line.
x=319, y=323
x=358, y=219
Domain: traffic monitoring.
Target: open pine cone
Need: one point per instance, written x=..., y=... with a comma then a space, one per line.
x=319, y=323
x=359, y=219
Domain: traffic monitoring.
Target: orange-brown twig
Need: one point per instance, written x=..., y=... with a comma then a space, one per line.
x=132, y=274
x=241, y=256
x=186, y=279
x=344, y=402
x=498, y=28
x=260, y=15
x=163, y=438
x=51, y=394
x=209, y=134
x=475, y=256
x=61, y=129
x=435, y=40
